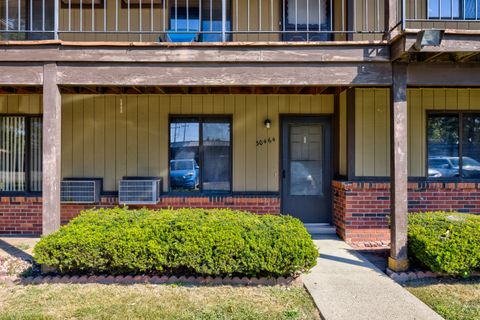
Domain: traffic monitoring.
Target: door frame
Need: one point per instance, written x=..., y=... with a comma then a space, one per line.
x=308, y=118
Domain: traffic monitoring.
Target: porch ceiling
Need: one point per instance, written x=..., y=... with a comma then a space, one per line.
x=177, y=90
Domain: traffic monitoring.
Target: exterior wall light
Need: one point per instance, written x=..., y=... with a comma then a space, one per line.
x=267, y=123
x=430, y=38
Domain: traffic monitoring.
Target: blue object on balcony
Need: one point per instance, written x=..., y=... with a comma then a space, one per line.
x=178, y=36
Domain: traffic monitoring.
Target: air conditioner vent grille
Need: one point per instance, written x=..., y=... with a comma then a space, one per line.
x=142, y=191
x=80, y=191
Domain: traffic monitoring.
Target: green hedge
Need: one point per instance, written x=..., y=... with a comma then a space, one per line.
x=185, y=241
x=445, y=241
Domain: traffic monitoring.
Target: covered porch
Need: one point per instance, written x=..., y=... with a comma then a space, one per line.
x=110, y=116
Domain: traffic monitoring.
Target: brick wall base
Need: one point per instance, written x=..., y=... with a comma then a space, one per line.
x=23, y=215
x=361, y=209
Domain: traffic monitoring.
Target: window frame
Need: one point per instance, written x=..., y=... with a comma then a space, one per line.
x=459, y=114
x=28, y=138
x=201, y=119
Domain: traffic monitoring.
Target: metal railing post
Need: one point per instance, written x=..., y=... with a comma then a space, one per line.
x=404, y=17
x=224, y=20
x=55, y=19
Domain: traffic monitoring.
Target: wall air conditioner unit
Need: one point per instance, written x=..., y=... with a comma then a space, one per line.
x=80, y=190
x=139, y=190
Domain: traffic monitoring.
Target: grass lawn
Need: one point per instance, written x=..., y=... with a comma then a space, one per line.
x=97, y=301
x=452, y=299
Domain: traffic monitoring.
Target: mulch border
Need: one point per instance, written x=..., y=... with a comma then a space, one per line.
x=403, y=277
x=104, y=279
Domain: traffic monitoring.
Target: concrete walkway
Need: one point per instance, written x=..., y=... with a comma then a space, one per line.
x=347, y=286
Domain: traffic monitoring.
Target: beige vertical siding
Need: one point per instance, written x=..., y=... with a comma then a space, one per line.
x=372, y=131
x=21, y=104
x=111, y=136
x=369, y=16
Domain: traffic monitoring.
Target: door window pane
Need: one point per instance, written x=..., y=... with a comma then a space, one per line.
x=306, y=165
x=471, y=146
x=315, y=14
x=443, y=140
x=12, y=154
x=216, y=156
x=184, y=155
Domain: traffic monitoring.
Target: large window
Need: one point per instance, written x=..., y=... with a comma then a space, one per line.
x=454, y=9
x=200, y=154
x=20, y=154
x=454, y=145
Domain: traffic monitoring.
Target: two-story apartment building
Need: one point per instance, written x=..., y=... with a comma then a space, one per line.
x=303, y=107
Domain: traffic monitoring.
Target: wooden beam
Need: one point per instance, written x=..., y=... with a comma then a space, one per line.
x=350, y=52
x=450, y=43
x=51, y=150
x=443, y=74
x=398, y=260
x=193, y=74
x=17, y=74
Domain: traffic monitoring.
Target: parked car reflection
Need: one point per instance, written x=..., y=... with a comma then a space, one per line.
x=448, y=167
x=184, y=174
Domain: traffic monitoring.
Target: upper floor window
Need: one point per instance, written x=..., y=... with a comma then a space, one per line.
x=35, y=16
x=454, y=145
x=199, y=20
x=200, y=154
x=20, y=154
x=454, y=9
x=305, y=15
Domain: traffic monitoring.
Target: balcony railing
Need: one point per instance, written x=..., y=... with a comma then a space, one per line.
x=192, y=20
x=226, y=20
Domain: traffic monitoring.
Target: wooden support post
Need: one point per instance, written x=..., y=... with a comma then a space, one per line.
x=51, y=150
x=398, y=260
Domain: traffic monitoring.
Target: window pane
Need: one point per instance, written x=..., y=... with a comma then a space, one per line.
x=443, y=136
x=297, y=12
x=471, y=146
x=184, y=155
x=12, y=154
x=472, y=10
x=445, y=9
x=216, y=156
x=35, y=154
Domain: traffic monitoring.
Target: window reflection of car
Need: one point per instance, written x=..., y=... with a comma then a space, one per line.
x=448, y=167
x=184, y=174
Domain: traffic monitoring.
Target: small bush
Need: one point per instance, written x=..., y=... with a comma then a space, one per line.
x=185, y=241
x=445, y=241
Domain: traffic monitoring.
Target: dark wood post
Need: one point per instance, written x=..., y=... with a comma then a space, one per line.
x=51, y=150
x=398, y=260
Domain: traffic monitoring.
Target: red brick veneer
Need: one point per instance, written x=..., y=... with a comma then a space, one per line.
x=23, y=215
x=361, y=209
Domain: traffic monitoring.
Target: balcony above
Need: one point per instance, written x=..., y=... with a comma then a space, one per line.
x=190, y=21
x=223, y=21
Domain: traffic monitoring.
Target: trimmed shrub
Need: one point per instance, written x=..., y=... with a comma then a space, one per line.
x=184, y=241
x=445, y=241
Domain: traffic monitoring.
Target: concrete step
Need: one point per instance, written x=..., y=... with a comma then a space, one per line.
x=320, y=228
